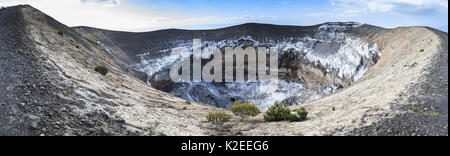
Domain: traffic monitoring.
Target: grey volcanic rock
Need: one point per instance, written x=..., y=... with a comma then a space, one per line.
x=396, y=85
x=314, y=61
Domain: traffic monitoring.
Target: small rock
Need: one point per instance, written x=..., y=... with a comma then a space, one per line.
x=106, y=130
x=32, y=121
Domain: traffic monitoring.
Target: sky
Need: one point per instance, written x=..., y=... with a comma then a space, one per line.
x=149, y=15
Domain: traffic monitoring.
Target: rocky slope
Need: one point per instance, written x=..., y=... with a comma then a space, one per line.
x=48, y=85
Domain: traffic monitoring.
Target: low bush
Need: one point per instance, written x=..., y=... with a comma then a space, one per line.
x=291, y=117
x=102, y=58
x=184, y=108
x=277, y=112
x=60, y=32
x=101, y=69
x=218, y=117
x=94, y=42
x=302, y=114
x=245, y=110
x=281, y=112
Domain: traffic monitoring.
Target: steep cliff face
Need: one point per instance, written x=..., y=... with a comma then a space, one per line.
x=48, y=85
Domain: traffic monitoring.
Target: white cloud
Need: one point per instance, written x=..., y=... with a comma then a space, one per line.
x=119, y=15
x=320, y=14
x=352, y=11
x=400, y=6
x=356, y=10
x=108, y=14
x=109, y=3
x=386, y=13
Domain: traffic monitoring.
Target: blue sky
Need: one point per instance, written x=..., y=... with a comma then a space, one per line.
x=145, y=15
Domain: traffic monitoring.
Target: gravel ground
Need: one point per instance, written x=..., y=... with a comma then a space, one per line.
x=426, y=109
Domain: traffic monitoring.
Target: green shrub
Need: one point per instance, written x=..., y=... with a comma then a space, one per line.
x=61, y=32
x=101, y=69
x=291, y=117
x=184, y=108
x=218, y=117
x=277, y=112
x=102, y=58
x=245, y=110
x=333, y=108
x=281, y=112
x=94, y=42
x=302, y=114
x=422, y=50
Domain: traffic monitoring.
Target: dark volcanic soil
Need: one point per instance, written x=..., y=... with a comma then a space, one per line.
x=30, y=87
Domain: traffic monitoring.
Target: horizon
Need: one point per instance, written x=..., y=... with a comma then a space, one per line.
x=153, y=15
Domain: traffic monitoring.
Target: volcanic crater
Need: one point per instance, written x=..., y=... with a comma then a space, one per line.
x=373, y=77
